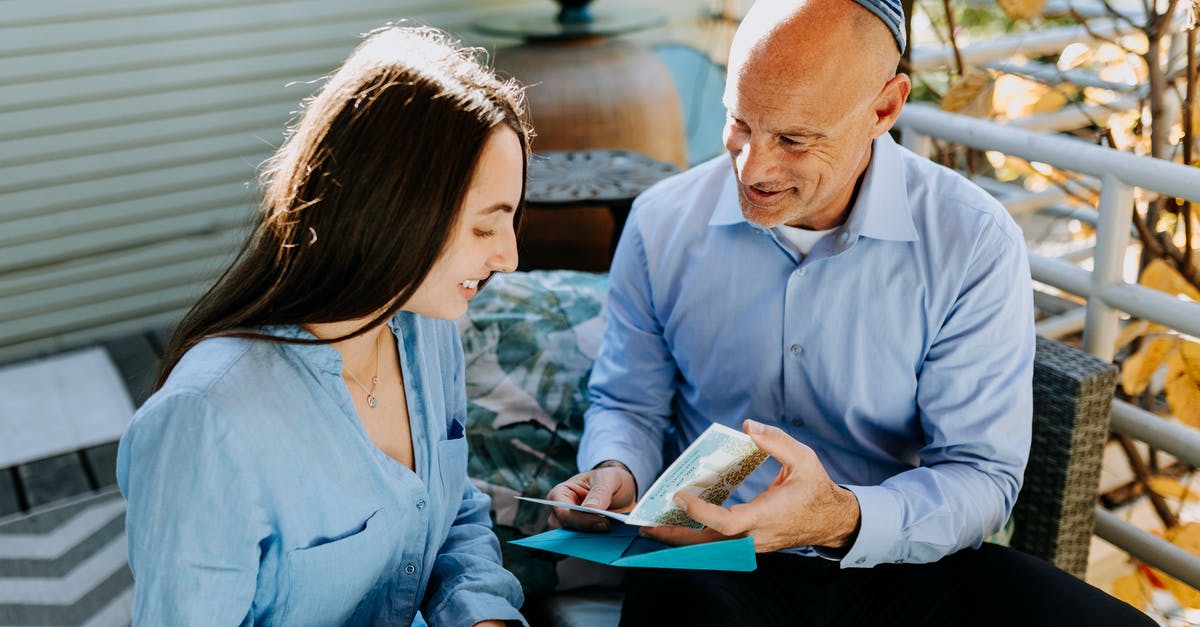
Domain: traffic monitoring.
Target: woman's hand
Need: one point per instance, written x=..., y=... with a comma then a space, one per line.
x=609, y=486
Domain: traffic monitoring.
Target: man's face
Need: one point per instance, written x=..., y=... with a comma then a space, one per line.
x=799, y=139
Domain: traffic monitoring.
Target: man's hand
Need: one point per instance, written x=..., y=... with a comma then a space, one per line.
x=802, y=507
x=490, y=623
x=610, y=486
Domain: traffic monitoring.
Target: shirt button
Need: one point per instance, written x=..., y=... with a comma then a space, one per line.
x=421, y=504
x=860, y=560
x=410, y=569
x=797, y=422
x=845, y=237
x=802, y=272
x=796, y=349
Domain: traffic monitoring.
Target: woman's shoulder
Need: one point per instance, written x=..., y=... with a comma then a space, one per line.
x=200, y=378
x=213, y=360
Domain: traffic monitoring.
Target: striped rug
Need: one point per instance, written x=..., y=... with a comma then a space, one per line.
x=66, y=565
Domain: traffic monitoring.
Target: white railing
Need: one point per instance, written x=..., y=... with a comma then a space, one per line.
x=1104, y=287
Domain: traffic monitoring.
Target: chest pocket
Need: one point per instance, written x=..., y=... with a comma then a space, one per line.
x=452, y=466
x=328, y=582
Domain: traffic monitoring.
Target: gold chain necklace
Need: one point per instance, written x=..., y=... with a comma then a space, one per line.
x=372, y=400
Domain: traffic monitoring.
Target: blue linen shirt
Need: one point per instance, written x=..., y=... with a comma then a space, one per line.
x=255, y=495
x=900, y=349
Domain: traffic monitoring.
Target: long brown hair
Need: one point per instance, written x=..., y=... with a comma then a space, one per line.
x=362, y=196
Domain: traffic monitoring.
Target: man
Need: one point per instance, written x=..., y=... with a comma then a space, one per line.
x=870, y=312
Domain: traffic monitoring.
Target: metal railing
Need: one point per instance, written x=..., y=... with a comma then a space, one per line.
x=1104, y=288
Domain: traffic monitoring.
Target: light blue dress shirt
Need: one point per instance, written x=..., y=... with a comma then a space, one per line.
x=255, y=495
x=900, y=348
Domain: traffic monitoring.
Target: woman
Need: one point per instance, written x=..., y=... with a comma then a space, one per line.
x=303, y=461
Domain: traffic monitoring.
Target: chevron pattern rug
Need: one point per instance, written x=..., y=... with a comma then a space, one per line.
x=67, y=565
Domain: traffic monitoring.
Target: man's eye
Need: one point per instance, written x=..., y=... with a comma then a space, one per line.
x=482, y=233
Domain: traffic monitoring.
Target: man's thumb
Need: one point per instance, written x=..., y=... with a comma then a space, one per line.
x=775, y=442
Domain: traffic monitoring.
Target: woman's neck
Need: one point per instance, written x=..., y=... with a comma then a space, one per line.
x=360, y=353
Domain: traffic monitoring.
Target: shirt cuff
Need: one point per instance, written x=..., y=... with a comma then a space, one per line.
x=878, y=529
x=470, y=607
x=605, y=438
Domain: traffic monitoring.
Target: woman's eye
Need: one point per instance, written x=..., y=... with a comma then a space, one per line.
x=482, y=233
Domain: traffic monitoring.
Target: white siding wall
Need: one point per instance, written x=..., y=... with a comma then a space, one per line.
x=130, y=133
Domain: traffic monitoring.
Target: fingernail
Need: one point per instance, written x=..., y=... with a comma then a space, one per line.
x=600, y=526
x=679, y=501
x=754, y=427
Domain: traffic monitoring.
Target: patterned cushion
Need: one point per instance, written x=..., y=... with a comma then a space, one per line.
x=529, y=339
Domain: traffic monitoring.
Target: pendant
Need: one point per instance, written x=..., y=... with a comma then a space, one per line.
x=372, y=401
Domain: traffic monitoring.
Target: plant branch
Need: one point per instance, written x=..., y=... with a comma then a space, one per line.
x=1189, y=108
x=1143, y=475
x=958, y=62
x=1082, y=21
x=1114, y=13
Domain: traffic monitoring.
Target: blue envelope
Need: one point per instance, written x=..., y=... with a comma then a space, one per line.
x=623, y=547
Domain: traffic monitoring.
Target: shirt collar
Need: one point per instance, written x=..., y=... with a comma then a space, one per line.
x=880, y=211
x=729, y=206
x=324, y=356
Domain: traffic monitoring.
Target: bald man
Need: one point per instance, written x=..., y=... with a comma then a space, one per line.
x=866, y=316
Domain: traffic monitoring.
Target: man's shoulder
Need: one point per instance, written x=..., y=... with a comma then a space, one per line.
x=690, y=196
x=944, y=199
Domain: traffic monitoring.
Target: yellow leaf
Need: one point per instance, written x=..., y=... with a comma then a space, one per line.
x=1162, y=276
x=1140, y=366
x=1129, y=590
x=971, y=94
x=1183, y=383
x=1186, y=537
x=1170, y=487
x=1049, y=102
x=1134, y=330
x=1017, y=10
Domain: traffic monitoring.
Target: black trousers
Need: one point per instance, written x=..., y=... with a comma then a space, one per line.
x=989, y=586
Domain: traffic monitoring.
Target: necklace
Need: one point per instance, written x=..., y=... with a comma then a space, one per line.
x=372, y=400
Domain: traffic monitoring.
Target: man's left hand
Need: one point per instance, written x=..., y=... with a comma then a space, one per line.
x=802, y=507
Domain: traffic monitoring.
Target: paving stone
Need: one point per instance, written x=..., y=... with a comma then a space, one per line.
x=52, y=479
x=10, y=503
x=137, y=360
x=102, y=461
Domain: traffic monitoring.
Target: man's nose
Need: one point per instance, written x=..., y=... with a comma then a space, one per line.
x=755, y=163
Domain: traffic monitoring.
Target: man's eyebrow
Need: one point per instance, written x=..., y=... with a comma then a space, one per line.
x=800, y=132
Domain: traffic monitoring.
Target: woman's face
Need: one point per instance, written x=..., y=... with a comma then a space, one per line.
x=484, y=239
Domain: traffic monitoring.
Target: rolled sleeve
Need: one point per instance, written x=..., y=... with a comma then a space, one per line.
x=468, y=582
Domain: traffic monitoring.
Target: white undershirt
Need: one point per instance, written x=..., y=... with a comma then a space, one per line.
x=802, y=240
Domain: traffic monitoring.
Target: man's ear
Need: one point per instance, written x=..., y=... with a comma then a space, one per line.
x=890, y=102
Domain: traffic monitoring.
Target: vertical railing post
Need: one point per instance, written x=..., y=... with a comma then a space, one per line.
x=1112, y=239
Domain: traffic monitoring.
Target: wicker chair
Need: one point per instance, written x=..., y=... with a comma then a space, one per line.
x=1055, y=512
x=1072, y=401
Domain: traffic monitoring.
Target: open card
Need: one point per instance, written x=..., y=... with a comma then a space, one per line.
x=713, y=467
x=622, y=546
